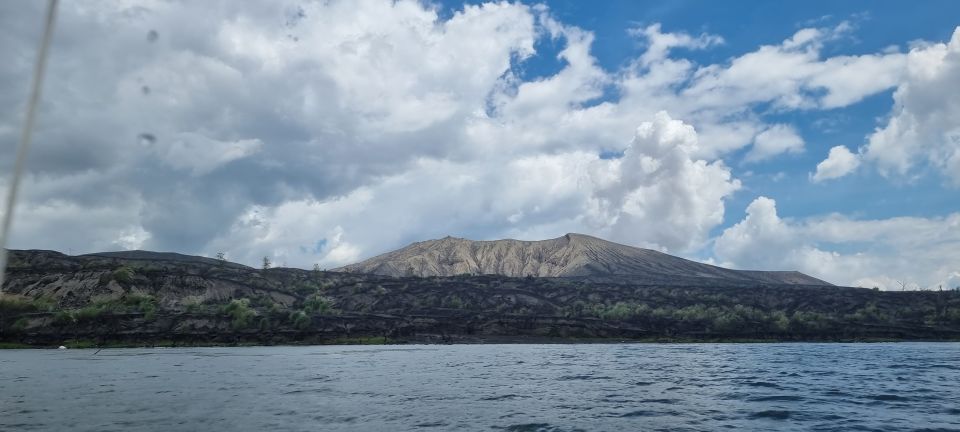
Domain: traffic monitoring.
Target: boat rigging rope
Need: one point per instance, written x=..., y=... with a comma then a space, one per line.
x=38, y=71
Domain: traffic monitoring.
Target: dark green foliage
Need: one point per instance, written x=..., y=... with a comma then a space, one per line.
x=10, y=304
x=90, y=312
x=317, y=303
x=193, y=307
x=15, y=305
x=240, y=313
x=64, y=318
x=145, y=303
x=306, y=287
x=123, y=274
x=300, y=320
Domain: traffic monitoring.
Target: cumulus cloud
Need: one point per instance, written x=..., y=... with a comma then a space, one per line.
x=656, y=195
x=778, y=139
x=330, y=131
x=918, y=252
x=839, y=162
x=924, y=128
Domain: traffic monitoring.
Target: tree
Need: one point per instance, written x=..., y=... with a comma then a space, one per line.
x=266, y=262
x=316, y=267
x=221, y=256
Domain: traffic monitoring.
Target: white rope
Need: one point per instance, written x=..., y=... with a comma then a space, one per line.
x=39, y=66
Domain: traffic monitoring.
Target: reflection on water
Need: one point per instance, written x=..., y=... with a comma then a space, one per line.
x=898, y=386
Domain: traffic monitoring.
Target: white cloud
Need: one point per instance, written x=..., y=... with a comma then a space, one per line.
x=839, y=162
x=655, y=196
x=924, y=126
x=658, y=194
x=659, y=44
x=328, y=131
x=920, y=252
x=778, y=139
x=792, y=76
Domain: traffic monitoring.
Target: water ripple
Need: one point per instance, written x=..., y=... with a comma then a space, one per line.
x=669, y=387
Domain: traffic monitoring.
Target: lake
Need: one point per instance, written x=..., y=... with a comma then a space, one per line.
x=591, y=387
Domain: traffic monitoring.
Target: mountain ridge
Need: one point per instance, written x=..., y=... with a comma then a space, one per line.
x=570, y=255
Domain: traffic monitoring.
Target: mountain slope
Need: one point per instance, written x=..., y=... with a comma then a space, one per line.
x=572, y=255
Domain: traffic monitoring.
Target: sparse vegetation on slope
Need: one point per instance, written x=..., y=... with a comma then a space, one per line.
x=51, y=297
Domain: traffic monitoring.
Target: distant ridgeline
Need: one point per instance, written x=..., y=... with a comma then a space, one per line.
x=147, y=298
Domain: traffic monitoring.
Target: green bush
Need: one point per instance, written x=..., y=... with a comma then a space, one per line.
x=453, y=302
x=89, y=312
x=144, y=303
x=123, y=274
x=808, y=321
x=44, y=304
x=306, y=287
x=240, y=313
x=17, y=304
x=300, y=320
x=618, y=312
x=317, y=303
x=275, y=308
x=780, y=321
x=63, y=318
x=193, y=306
x=10, y=304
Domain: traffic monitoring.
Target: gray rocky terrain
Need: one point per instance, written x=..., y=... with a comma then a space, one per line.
x=572, y=255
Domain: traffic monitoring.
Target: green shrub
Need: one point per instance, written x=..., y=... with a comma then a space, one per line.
x=11, y=304
x=193, y=305
x=317, y=303
x=300, y=320
x=306, y=287
x=123, y=275
x=275, y=308
x=89, y=312
x=144, y=303
x=17, y=304
x=780, y=321
x=44, y=304
x=454, y=302
x=802, y=320
x=618, y=312
x=63, y=318
x=240, y=313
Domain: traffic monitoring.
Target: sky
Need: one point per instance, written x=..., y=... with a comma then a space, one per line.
x=815, y=136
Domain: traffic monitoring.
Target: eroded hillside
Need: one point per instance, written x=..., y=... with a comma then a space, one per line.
x=51, y=298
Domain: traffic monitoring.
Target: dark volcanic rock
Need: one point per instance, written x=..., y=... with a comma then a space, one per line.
x=145, y=297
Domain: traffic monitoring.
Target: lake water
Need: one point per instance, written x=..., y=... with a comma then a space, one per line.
x=895, y=386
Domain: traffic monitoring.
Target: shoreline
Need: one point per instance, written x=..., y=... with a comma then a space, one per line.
x=472, y=340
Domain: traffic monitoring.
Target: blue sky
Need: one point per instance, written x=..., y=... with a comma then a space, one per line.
x=744, y=26
x=757, y=135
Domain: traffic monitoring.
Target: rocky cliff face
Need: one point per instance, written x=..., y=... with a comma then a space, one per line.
x=573, y=255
